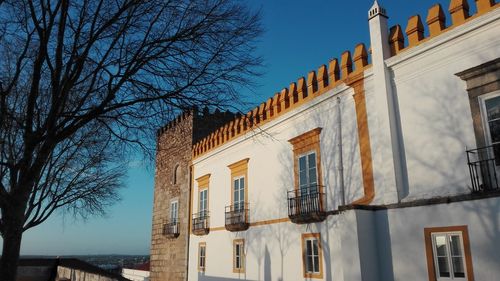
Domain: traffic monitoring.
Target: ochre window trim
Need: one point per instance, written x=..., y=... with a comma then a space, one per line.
x=203, y=181
x=241, y=242
x=239, y=169
x=317, y=236
x=202, y=244
x=307, y=142
x=428, y=231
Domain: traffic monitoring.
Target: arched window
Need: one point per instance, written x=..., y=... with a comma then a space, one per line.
x=177, y=172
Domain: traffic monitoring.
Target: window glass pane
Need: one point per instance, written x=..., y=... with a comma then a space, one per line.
x=242, y=191
x=444, y=271
x=493, y=108
x=236, y=195
x=455, y=245
x=309, y=248
x=315, y=247
x=458, y=267
x=173, y=211
x=496, y=153
x=312, y=160
x=309, y=265
x=495, y=130
x=203, y=201
x=316, y=264
x=302, y=163
x=440, y=241
x=303, y=179
x=312, y=176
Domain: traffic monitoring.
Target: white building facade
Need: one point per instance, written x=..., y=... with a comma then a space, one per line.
x=380, y=168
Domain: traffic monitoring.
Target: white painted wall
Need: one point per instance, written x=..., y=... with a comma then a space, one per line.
x=66, y=273
x=135, y=275
x=273, y=252
x=407, y=248
x=434, y=106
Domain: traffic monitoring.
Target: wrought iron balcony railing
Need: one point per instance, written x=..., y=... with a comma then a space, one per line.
x=237, y=217
x=483, y=166
x=201, y=223
x=171, y=229
x=305, y=206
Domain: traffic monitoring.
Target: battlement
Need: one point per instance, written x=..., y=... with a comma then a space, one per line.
x=435, y=23
x=299, y=92
x=203, y=122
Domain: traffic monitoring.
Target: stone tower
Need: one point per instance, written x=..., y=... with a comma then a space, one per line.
x=170, y=238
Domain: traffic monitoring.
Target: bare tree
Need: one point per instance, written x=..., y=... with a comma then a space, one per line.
x=81, y=79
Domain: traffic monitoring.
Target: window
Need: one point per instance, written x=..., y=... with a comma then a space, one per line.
x=239, y=256
x=174, y=211
x=448, y=253
x=308, y=177
x=203, y=203
x=239, y=193
x=490, y=104
x=239, y=177
x=307, y=168
x=202, y=256
x=200, y=220
x=312, y=255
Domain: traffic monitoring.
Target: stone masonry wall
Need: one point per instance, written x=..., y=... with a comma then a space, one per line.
x=169, y=255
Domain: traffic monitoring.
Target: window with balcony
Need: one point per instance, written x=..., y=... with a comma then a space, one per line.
x=171, y=228
x=306, y=202
x=312, y=255
x=201, y=219
x=448, y=253
x=239, y=256
x=483, y=87
x=237, y=213
x=202, y=256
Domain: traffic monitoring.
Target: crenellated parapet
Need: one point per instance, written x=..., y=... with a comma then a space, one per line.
x=177, y=120
x=318, y=82
x=435, y=23
x=203, y=122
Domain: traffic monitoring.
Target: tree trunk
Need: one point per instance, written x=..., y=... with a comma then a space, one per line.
x=12, y=235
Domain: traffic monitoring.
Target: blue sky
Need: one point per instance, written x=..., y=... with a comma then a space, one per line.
x=300, y=36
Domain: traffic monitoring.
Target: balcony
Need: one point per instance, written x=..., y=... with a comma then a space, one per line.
x=306, y=207
x=484, y=167
x=237, y=217
x=171, y=229
x=201, y=223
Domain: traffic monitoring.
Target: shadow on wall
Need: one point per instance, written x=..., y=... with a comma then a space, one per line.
x=437, y=128
x=267, y=264
x=486, y=215
x=383, y=246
